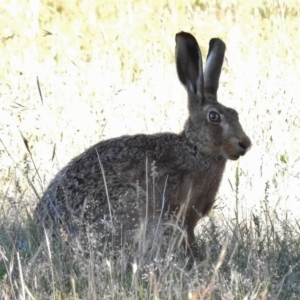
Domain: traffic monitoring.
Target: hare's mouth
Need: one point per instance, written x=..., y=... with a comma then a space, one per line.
x=234, y=157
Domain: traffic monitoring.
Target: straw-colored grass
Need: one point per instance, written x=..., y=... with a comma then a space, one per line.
x=106, y=68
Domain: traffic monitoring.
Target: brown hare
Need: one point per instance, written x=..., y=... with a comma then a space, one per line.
x=121, y=186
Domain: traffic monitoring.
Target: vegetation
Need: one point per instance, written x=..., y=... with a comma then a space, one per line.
x=76, y=72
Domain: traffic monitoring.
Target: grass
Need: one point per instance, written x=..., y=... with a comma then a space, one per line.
x=108, y=69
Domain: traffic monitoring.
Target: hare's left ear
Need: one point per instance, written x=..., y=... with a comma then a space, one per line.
x=214, y=62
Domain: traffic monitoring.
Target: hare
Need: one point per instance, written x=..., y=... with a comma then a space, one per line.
x=122, y=185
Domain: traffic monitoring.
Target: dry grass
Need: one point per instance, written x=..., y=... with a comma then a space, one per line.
x=107, y=70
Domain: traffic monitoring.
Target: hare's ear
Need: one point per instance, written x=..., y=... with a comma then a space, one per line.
x=189, y=64
x=214, y=62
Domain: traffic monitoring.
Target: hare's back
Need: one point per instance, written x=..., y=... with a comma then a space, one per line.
x=113, y=172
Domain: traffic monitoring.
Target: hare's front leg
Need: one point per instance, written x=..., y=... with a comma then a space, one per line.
x=191, y=246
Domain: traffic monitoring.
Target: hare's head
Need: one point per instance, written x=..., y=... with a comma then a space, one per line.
x=213, y=127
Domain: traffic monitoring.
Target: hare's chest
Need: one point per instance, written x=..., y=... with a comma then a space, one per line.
x=203, y=192
x=203, y=198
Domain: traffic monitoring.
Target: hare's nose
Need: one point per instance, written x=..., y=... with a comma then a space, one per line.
x=245, y=143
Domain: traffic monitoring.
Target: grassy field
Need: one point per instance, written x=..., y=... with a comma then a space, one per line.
x=106, y=69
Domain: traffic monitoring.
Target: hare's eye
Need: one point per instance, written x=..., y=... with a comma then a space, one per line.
x=214, y=117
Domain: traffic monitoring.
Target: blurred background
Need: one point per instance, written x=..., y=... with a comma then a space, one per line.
x=107, y=69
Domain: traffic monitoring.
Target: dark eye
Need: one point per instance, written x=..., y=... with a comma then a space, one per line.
x=214, y=117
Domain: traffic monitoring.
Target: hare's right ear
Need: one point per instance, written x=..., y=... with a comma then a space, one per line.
x=214, y=62
x=189, y=65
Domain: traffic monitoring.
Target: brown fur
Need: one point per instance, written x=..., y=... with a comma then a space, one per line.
x=117, y=185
